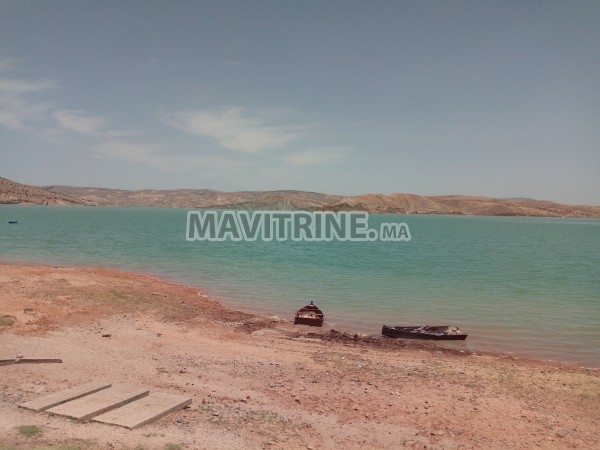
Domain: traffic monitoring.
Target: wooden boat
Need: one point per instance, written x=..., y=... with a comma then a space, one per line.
x=309, y=315
x=437, y=332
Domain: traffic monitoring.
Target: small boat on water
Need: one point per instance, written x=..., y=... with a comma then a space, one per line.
x=13, y=221
x=437, y=332
x=309, y=315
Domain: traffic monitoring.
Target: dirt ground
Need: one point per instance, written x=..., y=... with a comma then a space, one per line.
x=263, y=383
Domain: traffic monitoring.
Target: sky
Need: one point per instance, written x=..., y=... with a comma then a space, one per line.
x=492, y=98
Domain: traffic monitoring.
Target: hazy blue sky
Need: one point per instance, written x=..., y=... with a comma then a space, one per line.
x=428, y=97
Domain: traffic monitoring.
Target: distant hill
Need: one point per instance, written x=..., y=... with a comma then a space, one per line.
x=459, y=205
x=17, y=193
x=200, y=198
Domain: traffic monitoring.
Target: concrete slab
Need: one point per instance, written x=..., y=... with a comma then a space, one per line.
x=143, y=411
x=58, y=398
x=94, y=404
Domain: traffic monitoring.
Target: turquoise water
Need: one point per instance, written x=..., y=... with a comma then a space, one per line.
x=527, y=286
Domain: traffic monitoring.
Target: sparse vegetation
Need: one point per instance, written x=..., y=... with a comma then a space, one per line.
x=170, y=446
x=6, y=320
x=60, y=447
x=29, y=430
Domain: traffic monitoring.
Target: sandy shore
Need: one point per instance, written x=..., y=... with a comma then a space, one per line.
x=259, y=382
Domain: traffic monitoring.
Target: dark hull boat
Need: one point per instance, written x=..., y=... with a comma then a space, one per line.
x=13, y=221
x=309, y=315
x=440, y=332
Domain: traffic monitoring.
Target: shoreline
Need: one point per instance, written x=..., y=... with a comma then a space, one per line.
x=261, y=382
x=235, y=307
x=372, y=213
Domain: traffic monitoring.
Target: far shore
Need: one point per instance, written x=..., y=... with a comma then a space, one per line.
x=12, y=192
x=261, y=382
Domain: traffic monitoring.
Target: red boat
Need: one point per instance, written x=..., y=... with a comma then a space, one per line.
x=309, y=315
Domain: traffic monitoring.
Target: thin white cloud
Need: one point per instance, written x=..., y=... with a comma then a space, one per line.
x=80, y=122
x=236, y=129
x=233, y=128
x=160, y=157
x=317, y=156
x=91, y=125
x=12, y=87
x=127, y=151
x=17, y=110
x=20, y=111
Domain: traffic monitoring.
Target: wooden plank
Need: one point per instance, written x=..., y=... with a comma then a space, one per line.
x=95, y=404
x=6, y=362
x=58, y=398
x=38, y=360
x=145, y=410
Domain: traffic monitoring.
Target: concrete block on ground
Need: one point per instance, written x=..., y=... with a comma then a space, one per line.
x=95, y=404
x=58, y=398
x=145, y=410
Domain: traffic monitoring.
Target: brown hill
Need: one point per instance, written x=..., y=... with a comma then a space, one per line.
x=459, y=204
x=15, y=193
x=200, y=198
x=516, y=207
x=390, y=204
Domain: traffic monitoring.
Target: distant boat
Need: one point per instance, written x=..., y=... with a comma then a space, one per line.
x=437, y=332
x=309, y=315
x=13, y=221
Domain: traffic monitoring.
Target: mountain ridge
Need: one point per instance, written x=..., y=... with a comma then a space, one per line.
x=398, y=203
x=14, y=193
